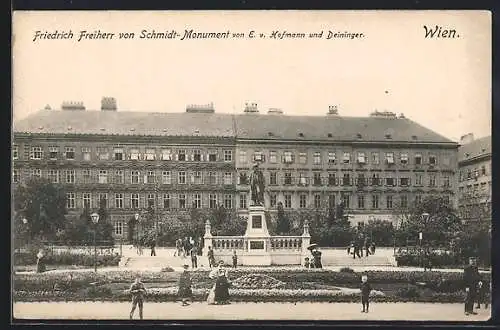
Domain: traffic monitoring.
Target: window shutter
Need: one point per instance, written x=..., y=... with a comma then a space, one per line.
x=176, y=157
x=201, y=157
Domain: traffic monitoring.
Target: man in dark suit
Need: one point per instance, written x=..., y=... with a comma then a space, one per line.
x=471, y=279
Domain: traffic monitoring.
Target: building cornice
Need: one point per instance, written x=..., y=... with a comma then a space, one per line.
x=476, y=159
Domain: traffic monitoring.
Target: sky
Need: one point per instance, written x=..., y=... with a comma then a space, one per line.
x=443, y=84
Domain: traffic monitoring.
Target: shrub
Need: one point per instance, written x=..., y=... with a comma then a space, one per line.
x=346, y=270
x=410, y=292
x=435, y=259
x=66, y=258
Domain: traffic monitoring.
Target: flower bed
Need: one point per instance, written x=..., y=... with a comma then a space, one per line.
x=66, y=258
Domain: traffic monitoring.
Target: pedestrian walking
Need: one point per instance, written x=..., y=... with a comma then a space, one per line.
x=482, y=294
x=153, y=247
x=317, y=258
x=221, y=290
x=367, y=248
x=350, y=247
x=365, y=293
x=185, y=292
x=40, y=262
x=372, y=247
x=235, y=259
x=211, y=257
x=138, y=291
x=356, y=251
x=194, y=258
x=470, y=279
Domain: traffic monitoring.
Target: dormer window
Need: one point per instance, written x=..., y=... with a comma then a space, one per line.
x=301, y=134
x=330, y=135
x=359, y=136
x=388, y=136
x=413, y=137
x=270, y=133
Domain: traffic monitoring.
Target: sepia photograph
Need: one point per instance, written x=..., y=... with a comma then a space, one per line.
x=251, y=165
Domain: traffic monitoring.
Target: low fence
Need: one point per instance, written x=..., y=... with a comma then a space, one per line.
x=102, y=248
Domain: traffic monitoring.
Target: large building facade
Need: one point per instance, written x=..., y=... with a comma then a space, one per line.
x=374, y=165
x=474, y=187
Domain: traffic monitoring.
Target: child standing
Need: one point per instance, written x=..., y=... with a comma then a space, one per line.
x=185, y=292
x=306, y=263
x=235, y=259
x=365, y=293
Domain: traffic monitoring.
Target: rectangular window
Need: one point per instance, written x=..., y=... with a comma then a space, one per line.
x=361, y=180
x=151, y=177
x=347, y=158
x=243, y=156
x=404, y=158
x=331, y=157
x=36, y=153
x=86, y=154
x=317, y=158
x=134, y=200
x=119, y=177
x=432, y=160
x=36, y=172
x=389, y=202
x=212, y=178
x=70, y=200
x=404, y=182
x=332, y=180
x=119, y=201
x=212, y=156
x=317, y=201
x=273, y=157
x=389, y=181
x=273, y=178
x=288, y=178
x=446, y=181
x=389, y=157
x=302, y=179
x=287, y=157
x=243, y=178
x=302, y=158
x=418, y=179
x=375, y=158
x=361, y=202
x=198, y=177
x=70, y=176
x=197, y=155
x=375, y=202
x=228, y=178
x=118, y=153
x=166, y=201
x=331, y=201
x=302, y=201
x=103, y=176
x=212, y=201
x=317, y=178
x=70, y=153
x=53, y=152
x=288, y=201
x=346, y=180
x=102, y=153
x=166, y=177
x=166, y=154
x=228, y=155
x=134, y=154
x=418, y=159
x=346, y=200
x=375, y=180
x=258, y=156
x=483, y=170
x=134, y=177
x=272, y=199
x=243, y=201
x=87, y=200
x=361, y=158
x=103, y=200
x=182, y=177
x=432, y=180
x=181, y=155
x=87, y=176
x=54, y=176
x=150, y=154
x=228, y=201
x=15, y=176
x=15, y=152
x=404, y=201
x=197, y=201
x=118, y=228
x=151, y=200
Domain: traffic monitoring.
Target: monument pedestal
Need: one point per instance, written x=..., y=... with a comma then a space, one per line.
x=257, y=238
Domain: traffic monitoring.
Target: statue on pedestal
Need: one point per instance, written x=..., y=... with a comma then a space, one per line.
x=257, y=186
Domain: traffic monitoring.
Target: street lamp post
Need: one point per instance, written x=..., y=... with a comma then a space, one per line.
x=137, y=236
x=25, y=222
x=95, y=220
x=425, y=217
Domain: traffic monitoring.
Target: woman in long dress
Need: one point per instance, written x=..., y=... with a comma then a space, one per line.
x=221, y=289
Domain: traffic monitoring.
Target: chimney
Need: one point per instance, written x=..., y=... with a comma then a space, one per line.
x=402, y=116
x=251, y=108
x=333, y=110
x=108, y=104
x=274, y=111
x=71, y=105
x=200, y=108
x=47, y=107
x=467, y=138
x=383, y=114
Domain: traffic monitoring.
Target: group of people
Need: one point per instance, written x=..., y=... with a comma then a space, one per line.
x=315, y=260
x=476, y=290
x=356, y=248
x=188, y=247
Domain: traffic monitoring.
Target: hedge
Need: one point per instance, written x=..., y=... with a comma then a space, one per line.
x=436, y=260
x=65, y=258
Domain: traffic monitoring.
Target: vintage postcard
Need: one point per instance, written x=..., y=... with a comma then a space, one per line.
x=251, y=165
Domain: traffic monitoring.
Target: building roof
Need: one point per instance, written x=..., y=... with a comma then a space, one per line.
x=242, y=126
x=477, y=148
